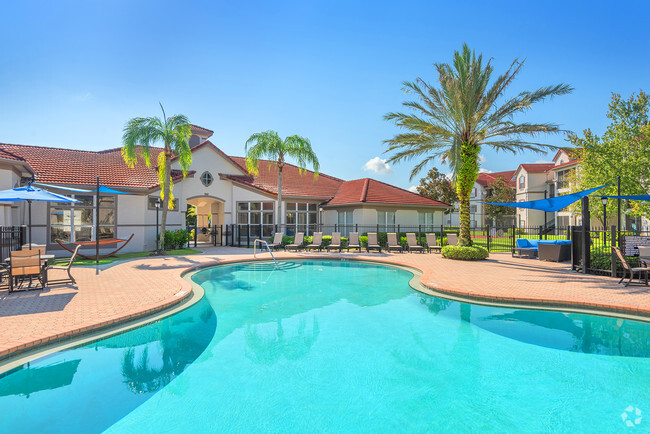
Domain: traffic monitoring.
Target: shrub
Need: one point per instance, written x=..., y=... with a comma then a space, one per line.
x=466, y=253
x=603, y=261
x=176, y=239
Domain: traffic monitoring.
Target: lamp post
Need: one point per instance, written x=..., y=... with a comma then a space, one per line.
x=604, y=201
x=157, y=234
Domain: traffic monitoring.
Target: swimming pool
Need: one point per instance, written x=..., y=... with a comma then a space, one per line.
x=339, y=346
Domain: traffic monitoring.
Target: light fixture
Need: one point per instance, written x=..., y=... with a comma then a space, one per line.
x=604, y=200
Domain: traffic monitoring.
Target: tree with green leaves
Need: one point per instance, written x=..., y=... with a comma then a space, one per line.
x=454, y=122
x=500, y=191
x=173, y=133
x=437, y=186
x=269, y=145
x=623, y=150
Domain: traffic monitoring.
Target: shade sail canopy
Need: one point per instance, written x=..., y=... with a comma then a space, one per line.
x=630, y=197
x=551, y=204
x=29, y=193
x=102, y=189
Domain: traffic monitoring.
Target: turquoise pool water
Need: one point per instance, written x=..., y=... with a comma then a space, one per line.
x=340, y=346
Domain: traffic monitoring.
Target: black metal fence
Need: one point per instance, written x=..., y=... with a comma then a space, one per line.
x=592, y=249
x=11, y=238
x=493, y=239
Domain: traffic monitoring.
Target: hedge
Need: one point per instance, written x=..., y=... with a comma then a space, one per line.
x=465, y=253
x=176, y=239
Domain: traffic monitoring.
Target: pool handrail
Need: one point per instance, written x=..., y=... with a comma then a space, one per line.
x=267, y=248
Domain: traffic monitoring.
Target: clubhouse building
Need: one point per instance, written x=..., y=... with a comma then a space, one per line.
x=218, y=185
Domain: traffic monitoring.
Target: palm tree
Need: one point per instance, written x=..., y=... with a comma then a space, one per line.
x=455, y=121
x=173, y=132
x=269, y=144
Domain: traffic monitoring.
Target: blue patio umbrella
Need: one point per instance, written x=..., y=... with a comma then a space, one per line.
x=31, y=194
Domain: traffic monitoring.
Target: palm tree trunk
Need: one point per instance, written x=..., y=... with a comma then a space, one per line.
x=279, y=218
x=167, y=187
x=465, y=179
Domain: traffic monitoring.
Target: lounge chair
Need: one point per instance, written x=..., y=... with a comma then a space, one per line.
x=392, y=242
x=297, y=242
x=336, y=242
x=452, y=239
x=353, y=241
x=412, y=244
x=640, y=271
x=25, y=264
x=277, y=241
x=525, y=248
x=316, y=242
x=373, y=244
x=65, y=267
x=432, y=244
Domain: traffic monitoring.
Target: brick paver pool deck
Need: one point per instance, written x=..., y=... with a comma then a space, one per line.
x=110, y=295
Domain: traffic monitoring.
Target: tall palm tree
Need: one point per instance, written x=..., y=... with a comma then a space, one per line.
x=455, y=121
x=173, y=132
x=269, y=144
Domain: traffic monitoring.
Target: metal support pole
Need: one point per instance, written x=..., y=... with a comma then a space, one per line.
x=618, y=217
x=613, y=235
x=97, y=225
x=586, y=247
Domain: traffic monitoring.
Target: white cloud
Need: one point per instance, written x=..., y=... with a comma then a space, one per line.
x=377, y=165
x=481, y=159
x=481, y=170
x=413, y=189
x=538, y=162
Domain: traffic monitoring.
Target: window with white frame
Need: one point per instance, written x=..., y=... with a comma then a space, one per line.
x=255, y=216
x=522, y=182
x=345, y=222
x=425, y=218
x=386, y=220
x=301, y=217
x=76, y=222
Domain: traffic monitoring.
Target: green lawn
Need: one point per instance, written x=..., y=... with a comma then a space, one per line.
x=81, y=261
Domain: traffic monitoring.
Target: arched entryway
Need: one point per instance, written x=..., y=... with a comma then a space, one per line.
x=209, y=216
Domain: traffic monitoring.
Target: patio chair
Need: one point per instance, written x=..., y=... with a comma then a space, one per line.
x=373, y=244
x=25, y=264
x=432, y=244
x=65, y=267
x=412, y=244
x=277, y=241
x=297, y=242
x=353, y=241
x=392, y=242
x=335, y=243
x=316, y=242
x=640, y=271
x=452, y=239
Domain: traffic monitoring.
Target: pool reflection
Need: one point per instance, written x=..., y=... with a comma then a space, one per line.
x=563, y=331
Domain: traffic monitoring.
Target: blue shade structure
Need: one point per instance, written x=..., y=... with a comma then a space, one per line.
x=551, y=204
x=29, y=194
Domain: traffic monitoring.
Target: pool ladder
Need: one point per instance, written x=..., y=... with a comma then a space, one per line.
x=267, y=248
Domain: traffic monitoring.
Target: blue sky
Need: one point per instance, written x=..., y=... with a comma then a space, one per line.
x=73, y=73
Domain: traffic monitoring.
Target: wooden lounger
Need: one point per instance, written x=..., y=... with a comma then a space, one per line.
x=105, y=242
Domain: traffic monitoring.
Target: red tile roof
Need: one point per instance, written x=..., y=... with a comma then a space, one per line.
x=369, y=190
x=71, y=166
x=201, y=130
x=486, y=179
x=293, y=182
x=568, y=163
x=537, y=167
